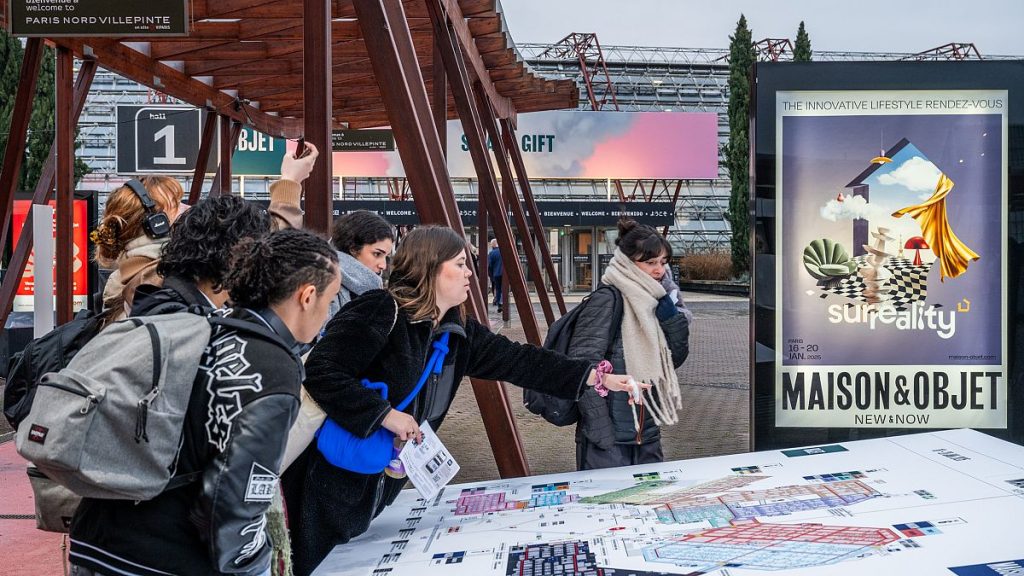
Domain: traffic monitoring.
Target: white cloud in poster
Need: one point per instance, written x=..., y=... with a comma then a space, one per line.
x=855, y=206
x=849, y=208
x=916, y=175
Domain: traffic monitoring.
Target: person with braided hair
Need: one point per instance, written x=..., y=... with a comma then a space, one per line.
x=130, y=235
x=385, y=336
x=245, y=398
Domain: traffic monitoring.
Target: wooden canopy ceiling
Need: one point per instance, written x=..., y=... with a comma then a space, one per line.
x=244, y=59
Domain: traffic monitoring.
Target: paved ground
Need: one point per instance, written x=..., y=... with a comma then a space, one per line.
x=715, y=386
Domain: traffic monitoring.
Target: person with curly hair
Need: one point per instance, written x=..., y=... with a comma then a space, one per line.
x=195, y=260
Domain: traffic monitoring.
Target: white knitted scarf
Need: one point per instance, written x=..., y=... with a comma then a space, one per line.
x=648, y=358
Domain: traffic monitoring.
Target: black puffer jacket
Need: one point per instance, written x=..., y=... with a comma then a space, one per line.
x=372, y=338
x=609, y=420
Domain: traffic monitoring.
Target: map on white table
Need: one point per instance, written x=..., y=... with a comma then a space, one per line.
x=949, y=502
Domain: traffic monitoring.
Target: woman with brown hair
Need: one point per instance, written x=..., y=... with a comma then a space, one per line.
x=386, y=336
x=136, y=224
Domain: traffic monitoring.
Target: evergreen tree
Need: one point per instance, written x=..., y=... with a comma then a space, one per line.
x=802, y=49
x=10, y=72
x=42, y=127
x=737, y=151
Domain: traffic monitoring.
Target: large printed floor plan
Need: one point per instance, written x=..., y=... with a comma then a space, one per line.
x=917, y=504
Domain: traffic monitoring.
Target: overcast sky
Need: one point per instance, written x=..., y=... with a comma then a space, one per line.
x=994, y=26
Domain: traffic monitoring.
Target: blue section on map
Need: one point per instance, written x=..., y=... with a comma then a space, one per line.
x=1002, y=568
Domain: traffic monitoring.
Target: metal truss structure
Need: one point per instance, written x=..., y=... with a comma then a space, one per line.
x=642, y=79
x=951, y=51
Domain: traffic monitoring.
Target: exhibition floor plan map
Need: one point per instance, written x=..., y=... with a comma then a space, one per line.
x=948, y=502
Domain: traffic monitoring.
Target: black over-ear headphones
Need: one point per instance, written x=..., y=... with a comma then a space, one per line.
x=156, y=224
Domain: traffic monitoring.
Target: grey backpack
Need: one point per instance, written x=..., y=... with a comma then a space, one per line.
x=109, y=425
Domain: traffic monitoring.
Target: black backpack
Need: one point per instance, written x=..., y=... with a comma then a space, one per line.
x=560, y=411
x=49, y=353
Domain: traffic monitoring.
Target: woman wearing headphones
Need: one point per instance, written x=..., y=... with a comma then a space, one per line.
x=135, y=225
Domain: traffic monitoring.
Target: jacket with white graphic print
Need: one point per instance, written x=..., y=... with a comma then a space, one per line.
x=244, y=400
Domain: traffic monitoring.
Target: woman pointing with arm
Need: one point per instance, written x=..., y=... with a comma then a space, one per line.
x=387, y=336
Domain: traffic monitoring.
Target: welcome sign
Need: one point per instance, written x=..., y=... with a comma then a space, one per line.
x=53, y=18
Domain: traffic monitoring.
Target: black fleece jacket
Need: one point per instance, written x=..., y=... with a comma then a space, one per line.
x=372, y=338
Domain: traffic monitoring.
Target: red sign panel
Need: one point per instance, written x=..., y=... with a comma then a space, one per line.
x=23, y=299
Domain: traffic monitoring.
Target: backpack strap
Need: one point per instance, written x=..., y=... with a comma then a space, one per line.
x=434, y=366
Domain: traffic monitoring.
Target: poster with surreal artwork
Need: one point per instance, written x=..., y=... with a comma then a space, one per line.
x=891, y=276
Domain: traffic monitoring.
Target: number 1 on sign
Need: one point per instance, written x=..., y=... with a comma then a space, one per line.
x=167, y=134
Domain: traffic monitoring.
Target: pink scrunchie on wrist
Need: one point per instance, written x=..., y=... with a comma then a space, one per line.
x=603, y=367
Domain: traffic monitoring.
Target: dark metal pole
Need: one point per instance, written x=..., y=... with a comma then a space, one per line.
x=14, y=152
x=531, y=206
x=64, y=274
x=508, y=186
x=483, y=247
x=318, y=112
x=203, y=160
x=44, y=187
x=223, y=173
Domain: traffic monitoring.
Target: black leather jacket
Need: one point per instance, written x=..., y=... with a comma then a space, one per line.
x=245, y=398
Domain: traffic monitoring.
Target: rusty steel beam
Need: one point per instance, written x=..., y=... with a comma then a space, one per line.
x=470, y=113
x=14, y=152
x=41, y=195
x=493, y=397
x=318, y=111
x=502, y=105
x=508, y=187
x=65, y=127
x=509, y=133
x=229, y=133
x=136, y=66
x=203, y=160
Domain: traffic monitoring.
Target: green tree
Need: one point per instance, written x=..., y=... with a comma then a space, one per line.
x=42, y=121
x=737, y=151
x=42, y=127
x=802, y=49
x=10, y=71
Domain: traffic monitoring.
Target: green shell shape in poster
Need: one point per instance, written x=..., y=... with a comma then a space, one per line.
x=825, y=258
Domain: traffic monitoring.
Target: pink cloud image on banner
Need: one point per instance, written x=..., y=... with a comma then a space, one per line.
x=581, y=144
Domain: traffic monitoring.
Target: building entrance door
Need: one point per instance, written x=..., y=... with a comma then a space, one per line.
x=581, y=248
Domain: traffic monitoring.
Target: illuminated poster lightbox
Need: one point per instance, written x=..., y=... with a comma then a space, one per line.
x=891, y=267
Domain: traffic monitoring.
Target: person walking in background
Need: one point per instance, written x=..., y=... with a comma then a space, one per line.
x=386, y=336
x=246, y=396
x=495, y=271
x=364, y=241
x=652, y=342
